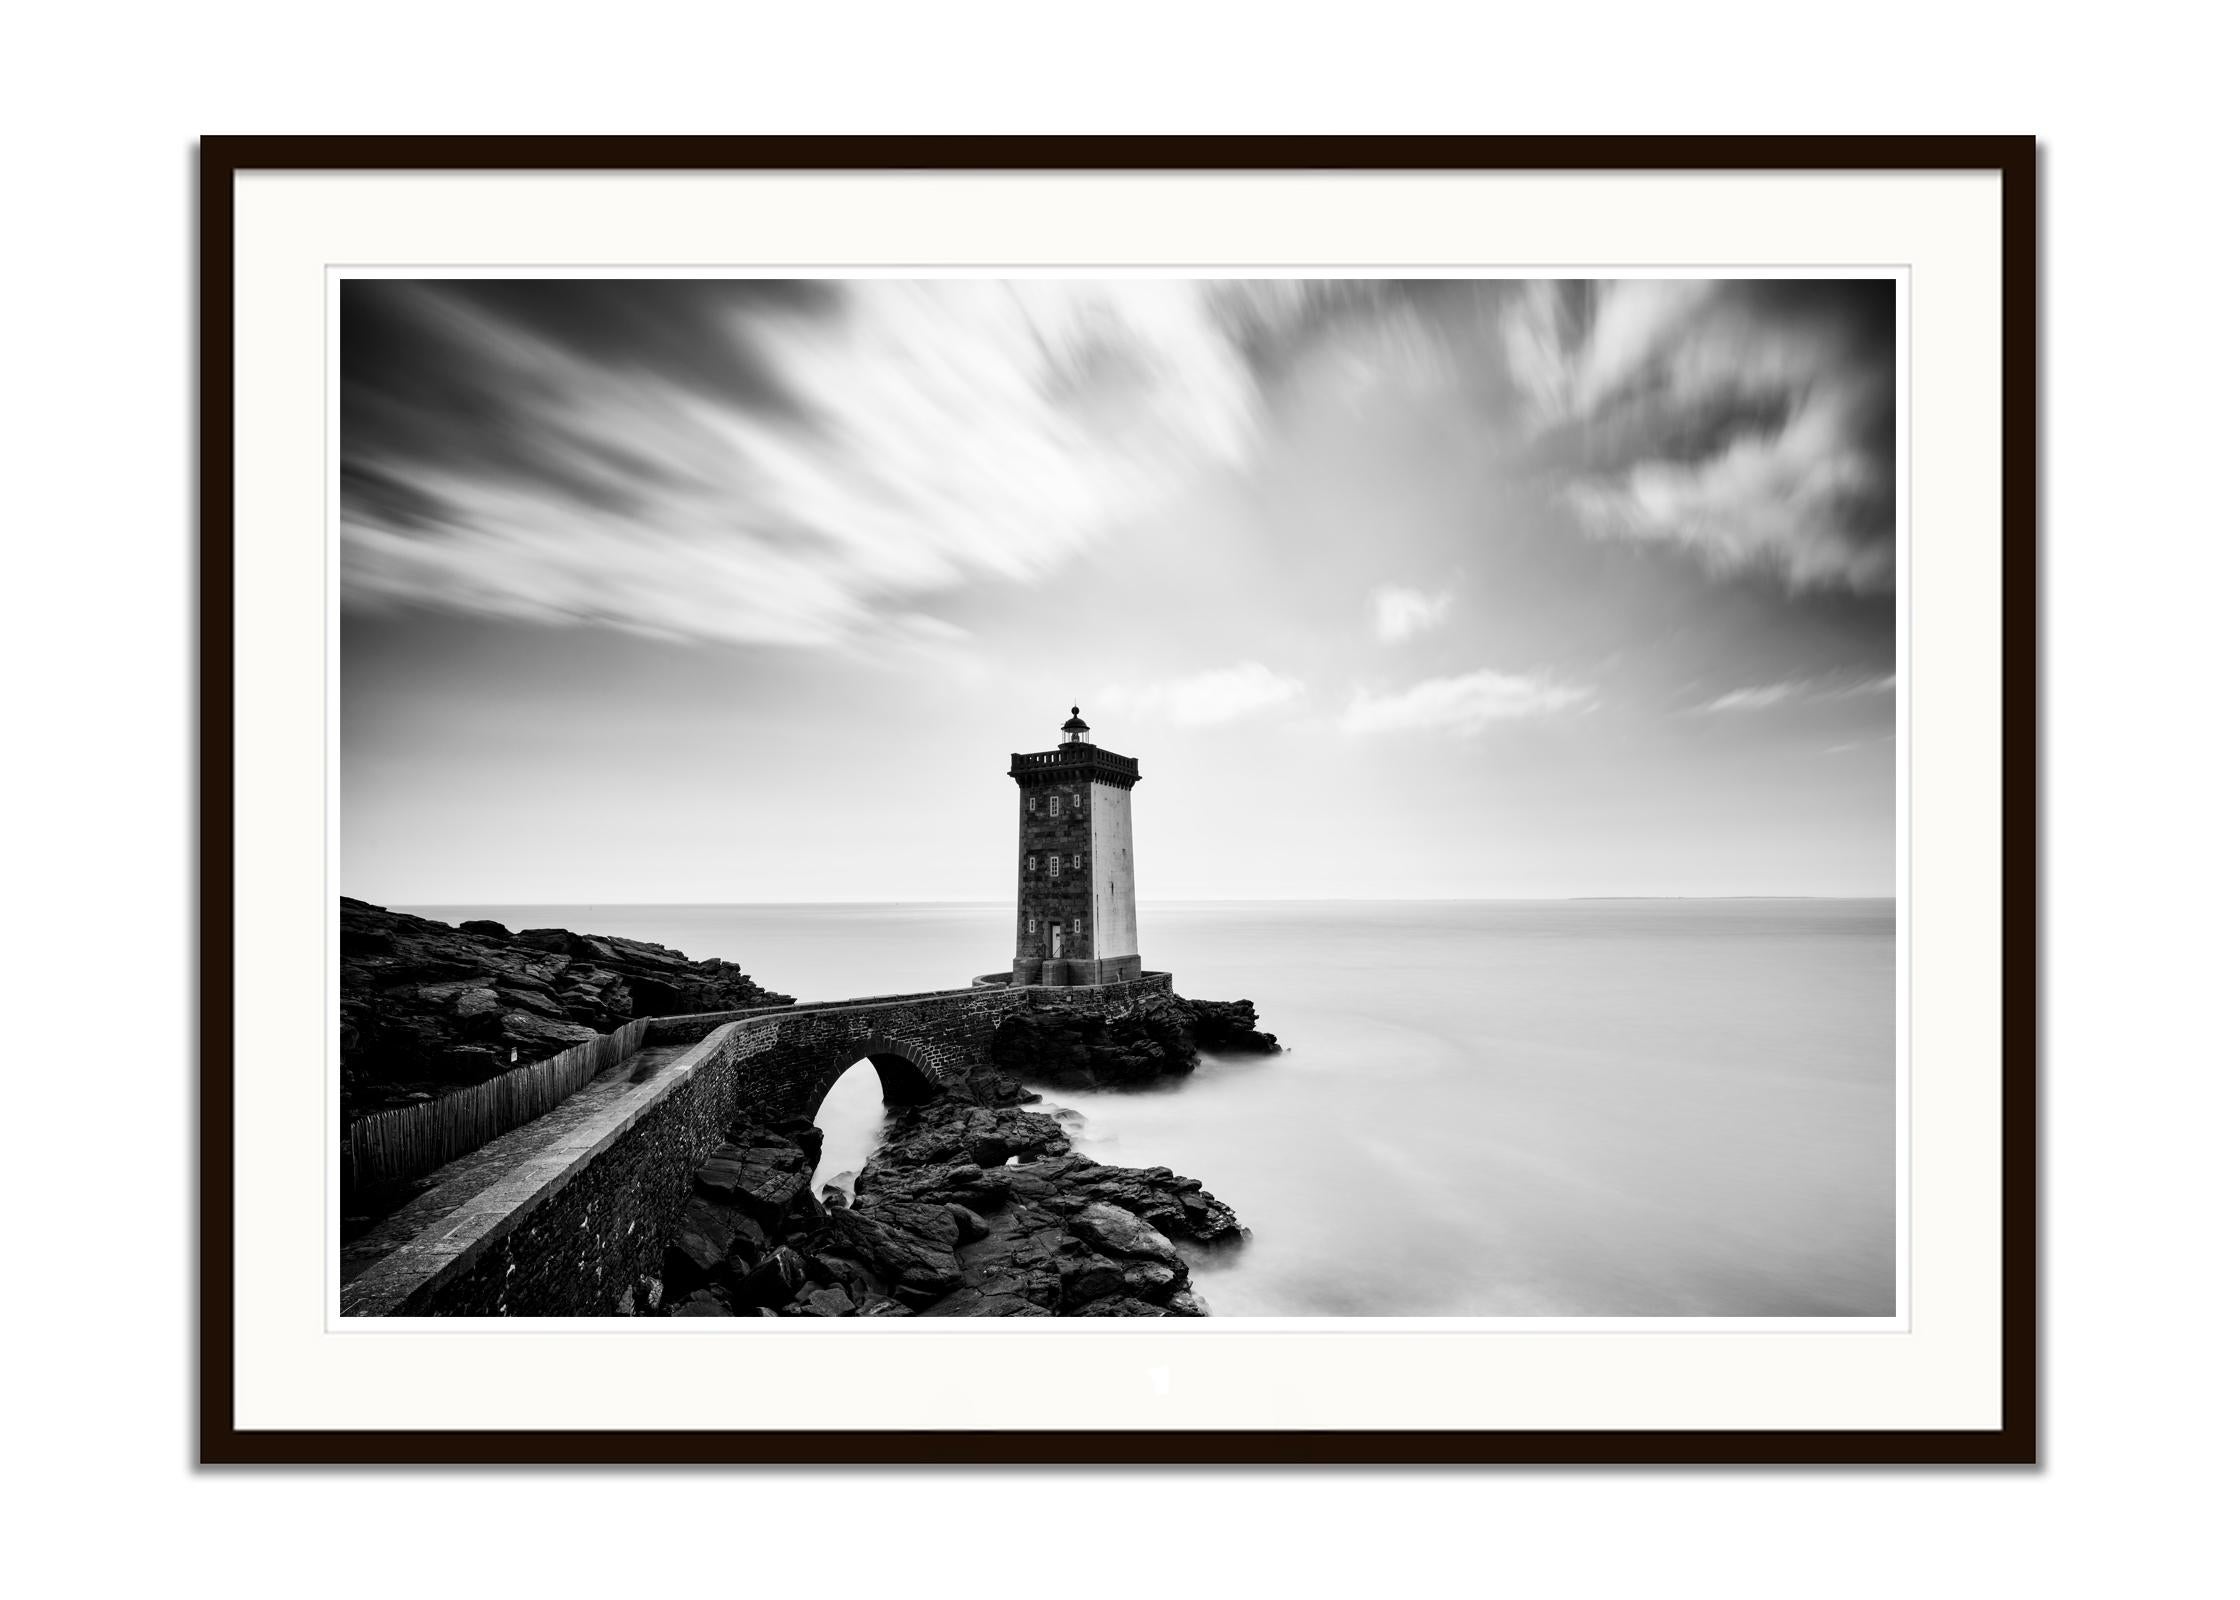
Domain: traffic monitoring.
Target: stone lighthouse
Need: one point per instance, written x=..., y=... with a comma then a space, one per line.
x=1077, y=866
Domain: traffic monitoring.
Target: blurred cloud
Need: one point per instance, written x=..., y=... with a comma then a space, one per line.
x=1572, y=345
x=787, y=463
x=1402, y=613
x=1752, y=423
x=1763, y=696
x=1463, y=704
x=1222, y=695
x=1757, y=699
x=875, y=464
x=802, y=462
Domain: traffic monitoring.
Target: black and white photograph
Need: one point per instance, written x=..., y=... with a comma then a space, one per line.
x=809, y=793
x=1127, y=794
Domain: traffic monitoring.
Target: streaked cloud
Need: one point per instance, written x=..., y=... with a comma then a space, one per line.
x=1751, y=423
x=1464, y=704
x=801, y=462
x=1403, y=613
x=1762, y=697
x=785, y=463
x=1572, y=346
x=1205, y=698
x=1756, y=699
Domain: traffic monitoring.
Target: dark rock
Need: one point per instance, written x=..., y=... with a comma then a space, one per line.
x=713, y=1246
x=1178, y=1207
x=1227, y=1027
x=702, y=1240
x=591, y=995
x=731, y=1275
x=1149, y=1280
x=931, y=1226
x=1119, y=1305
x=531, y=1000
x=1158, y=1038
x=1083, y=1052
x=1028, y=1183
x=982, y=1085
x=976, y=1303
x=748, y=1238
x=1084, y=1279
x=775, y=1280
x=971, y=1226
x=466, y=1063
x=469, y=1002
x=1114, y=1232
x=652, y=997
x=980, y=1188
x=365, y=941
x=719, y=1174
x=912, y=1246
x=536, y=1037
x=702, y=1303
x=825, y=1303
x=805, y=1136
x=848, y=1273
x=771, y=1178
x=414, y=991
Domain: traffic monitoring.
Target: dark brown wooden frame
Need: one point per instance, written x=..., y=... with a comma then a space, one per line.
x=2013, y=159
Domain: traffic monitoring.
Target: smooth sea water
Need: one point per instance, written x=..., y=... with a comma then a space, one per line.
x=1583, y=1108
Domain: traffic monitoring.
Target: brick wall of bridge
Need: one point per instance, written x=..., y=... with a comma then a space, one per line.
x=579, y=1231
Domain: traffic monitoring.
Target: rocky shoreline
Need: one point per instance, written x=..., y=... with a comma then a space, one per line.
x=428, y=1008
x=973, y=1206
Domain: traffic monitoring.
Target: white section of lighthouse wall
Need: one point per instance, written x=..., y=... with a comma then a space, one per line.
x=1112, y=865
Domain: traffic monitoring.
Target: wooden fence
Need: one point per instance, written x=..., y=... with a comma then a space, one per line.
x=416, y=1139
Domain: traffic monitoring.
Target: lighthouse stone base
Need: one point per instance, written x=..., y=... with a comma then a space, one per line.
x=1069, y=974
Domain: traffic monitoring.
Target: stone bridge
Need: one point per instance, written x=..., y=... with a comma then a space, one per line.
x=571, y=1214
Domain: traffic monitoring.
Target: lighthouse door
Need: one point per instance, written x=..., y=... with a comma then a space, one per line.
x=1057, y=941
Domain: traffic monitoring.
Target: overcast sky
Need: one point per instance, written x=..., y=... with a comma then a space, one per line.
x=745, y=590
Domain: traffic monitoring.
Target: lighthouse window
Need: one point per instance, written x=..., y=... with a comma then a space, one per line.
x=1053, y=866
x=1030, y=863
x=1076, y=924
x=1077, y=862
x=1030, y=924
x=1077, y=802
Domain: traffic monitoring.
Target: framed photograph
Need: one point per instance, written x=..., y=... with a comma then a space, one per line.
x=1138, y=800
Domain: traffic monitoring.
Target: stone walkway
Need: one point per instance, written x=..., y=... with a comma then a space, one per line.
x=446, y=1189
